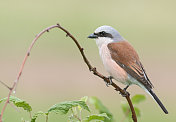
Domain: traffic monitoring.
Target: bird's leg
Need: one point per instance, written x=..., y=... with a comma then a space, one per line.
x=109, y=83
x=126, y=87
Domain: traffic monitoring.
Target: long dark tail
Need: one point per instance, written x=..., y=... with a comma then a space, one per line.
x=158, y=101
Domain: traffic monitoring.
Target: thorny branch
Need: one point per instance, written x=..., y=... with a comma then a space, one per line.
x=91, y=68
x=11, y=89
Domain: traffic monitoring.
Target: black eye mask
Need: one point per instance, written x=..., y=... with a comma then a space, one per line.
x=103, y=34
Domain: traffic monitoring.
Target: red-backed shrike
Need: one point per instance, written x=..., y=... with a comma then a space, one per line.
x=121, y=60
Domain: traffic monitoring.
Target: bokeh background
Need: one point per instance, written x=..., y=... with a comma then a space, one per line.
x=55, y=70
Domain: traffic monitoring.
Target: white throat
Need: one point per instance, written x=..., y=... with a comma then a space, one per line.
x=103, y=41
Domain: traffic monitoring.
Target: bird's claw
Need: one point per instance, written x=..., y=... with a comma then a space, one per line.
x=125, y=93
x=109, y=83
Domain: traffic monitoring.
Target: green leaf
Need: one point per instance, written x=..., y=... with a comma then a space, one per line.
x=64, y=107
x=125, y=108
x=97, y=117
x=137, y=98
x=34, y=117
x=18, y=103
x=101, y=108
x=127, y=111
x=138, y=112
x=85, y=98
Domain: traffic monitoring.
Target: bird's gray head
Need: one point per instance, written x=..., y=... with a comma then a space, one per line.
x=106, y=32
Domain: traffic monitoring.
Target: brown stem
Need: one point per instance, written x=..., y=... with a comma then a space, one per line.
x=91, y=68
x=22, y=67
x=46, y=118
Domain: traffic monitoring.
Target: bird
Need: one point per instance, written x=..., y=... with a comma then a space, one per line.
x=121, y=60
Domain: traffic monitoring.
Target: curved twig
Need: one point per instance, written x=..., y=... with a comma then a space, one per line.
x=22, y=67
x=95, y=72
x=91, y=68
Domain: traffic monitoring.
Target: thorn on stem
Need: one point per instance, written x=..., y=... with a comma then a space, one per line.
x=82, y=49
x=47, y=30
x=93, y=69
x=67, y=35
x=58, y=24
x=28, y=54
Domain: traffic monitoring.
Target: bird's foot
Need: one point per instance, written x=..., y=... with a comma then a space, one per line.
x=109, y=83
x=125, y=92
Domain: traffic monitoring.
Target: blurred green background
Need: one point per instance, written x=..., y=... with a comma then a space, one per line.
x=55, y=70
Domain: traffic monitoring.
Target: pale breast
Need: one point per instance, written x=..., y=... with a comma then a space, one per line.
x=111, y=66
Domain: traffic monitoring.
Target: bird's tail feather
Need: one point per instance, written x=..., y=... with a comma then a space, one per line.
x=158, y=101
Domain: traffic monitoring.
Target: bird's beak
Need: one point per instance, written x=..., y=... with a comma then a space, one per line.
x=92, y=36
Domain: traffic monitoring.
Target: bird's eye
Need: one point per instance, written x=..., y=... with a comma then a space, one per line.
x=102, y=33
